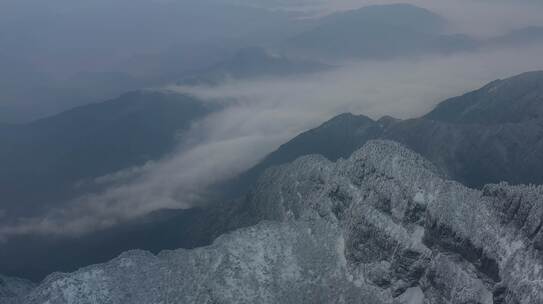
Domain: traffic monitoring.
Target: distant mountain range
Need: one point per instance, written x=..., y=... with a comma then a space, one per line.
x=253, y=63
x=54, y=57
x=51, y=155
x=394, y=30
x=374, y=32
x=379, y=31
x=489, y=135
x=522, y=36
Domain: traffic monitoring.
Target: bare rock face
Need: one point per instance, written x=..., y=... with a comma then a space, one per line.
x=380, y=227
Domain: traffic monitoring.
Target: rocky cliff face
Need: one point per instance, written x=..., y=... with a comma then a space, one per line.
x=379, y=227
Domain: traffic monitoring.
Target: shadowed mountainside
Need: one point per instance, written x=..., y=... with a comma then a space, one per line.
x=50, y=156
x=489, y=135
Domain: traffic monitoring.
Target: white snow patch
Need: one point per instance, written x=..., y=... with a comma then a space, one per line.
x=516, y=245
x=340, y=249
x=84, y=286
x=487, y=297
x=419, y=197
x=416, y=237
x=126, y=263
x=413, y=295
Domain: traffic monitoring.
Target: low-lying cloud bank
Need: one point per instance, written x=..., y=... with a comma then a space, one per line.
x=260, y=115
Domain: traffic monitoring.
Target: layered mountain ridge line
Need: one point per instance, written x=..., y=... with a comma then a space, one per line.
x=370, y=32
x=513, y=100
x=396, y=30
x=88, y=142
x=489, y=135
x=474, y=153
x=380, y=227
x=128, y=152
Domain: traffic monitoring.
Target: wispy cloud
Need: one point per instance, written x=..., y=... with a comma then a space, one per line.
x=260, y=115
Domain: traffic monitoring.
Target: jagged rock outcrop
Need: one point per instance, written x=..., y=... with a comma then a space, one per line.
x=380, y=227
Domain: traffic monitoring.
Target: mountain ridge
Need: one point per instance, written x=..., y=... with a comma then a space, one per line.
x=379, y=31
x=505, y=151
x=513, y=100
x=381, y=226
x=498, y=148
x=91, y=141
x=253, y=63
